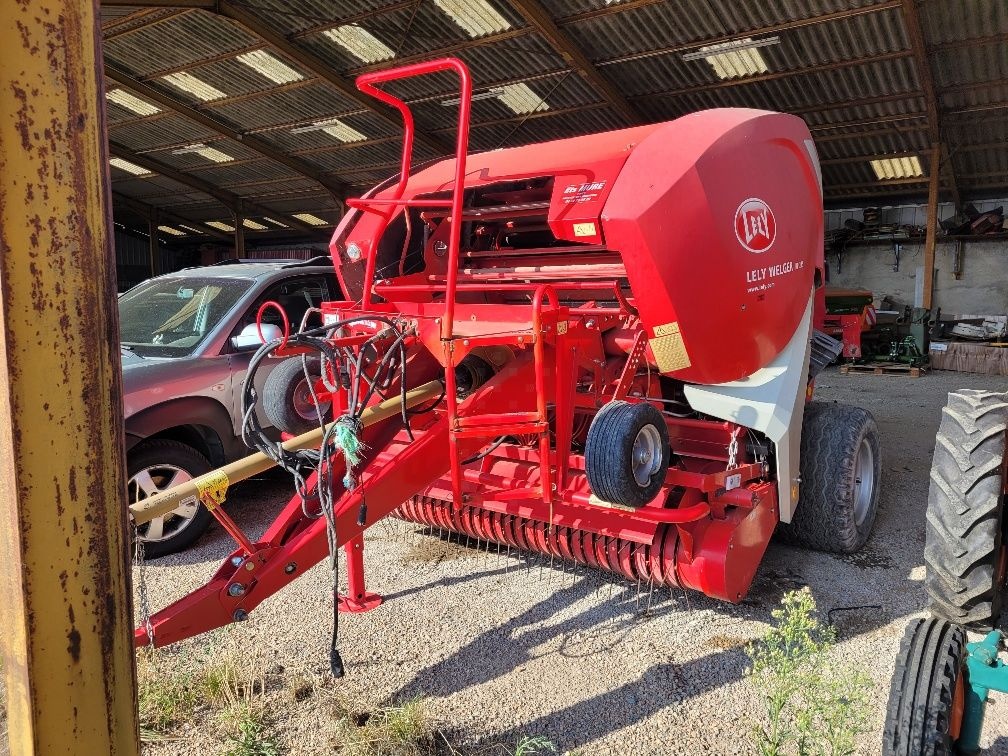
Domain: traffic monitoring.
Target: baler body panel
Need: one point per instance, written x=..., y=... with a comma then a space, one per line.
x=716, y=218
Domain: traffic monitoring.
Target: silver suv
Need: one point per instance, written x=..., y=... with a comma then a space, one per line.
x=187, y=339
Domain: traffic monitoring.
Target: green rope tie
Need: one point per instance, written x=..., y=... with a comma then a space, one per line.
x=348, y=441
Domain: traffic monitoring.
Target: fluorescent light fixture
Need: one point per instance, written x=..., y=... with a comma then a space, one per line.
x=254, y=225
x=477, y=17
x=360, y=43
x=196, y=87
x=333, y=127
x=210, y=153
x=897, y=168
x=220, y=226
x=170, y=230
x=312, y=220
x=736, y=59
x=272, y=68
x=521, y=99
x=190, y=228
x=124, y=99
x=487, y=94
x=275, y=222
x=126, y=165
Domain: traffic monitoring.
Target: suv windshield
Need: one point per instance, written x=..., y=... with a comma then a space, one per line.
x=171, y=317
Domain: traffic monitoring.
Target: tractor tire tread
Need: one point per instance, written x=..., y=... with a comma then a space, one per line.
x=918, y=716
x=965, y=512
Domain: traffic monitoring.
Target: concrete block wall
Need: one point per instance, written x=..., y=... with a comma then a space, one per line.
x=983, y=288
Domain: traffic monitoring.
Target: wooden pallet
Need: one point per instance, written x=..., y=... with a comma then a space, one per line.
x=884, y=368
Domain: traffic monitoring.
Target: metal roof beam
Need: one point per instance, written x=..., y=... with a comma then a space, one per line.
x=204, y=4
x=232, y=201
x=150, y=211
x=993, y=39
x=925, y=76
x=771, y=76
x=252, y=142
x=539, y=18
x=257, y=26
x=919, y=47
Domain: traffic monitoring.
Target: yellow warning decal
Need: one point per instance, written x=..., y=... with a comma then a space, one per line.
x=668, y=348
x=584, y=229
x=212, y=488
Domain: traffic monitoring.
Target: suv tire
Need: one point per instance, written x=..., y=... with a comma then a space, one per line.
x=154, y=466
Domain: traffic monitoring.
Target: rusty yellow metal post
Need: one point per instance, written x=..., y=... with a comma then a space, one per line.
x=64, y=590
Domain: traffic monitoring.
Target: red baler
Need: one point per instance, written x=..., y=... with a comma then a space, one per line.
x=624, y=326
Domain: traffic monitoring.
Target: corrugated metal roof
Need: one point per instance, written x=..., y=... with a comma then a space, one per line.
x=845, y=66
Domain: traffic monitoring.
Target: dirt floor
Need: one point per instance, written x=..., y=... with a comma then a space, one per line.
x=501, y=648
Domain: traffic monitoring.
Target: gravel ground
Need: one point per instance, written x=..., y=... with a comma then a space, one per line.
x=501, y=648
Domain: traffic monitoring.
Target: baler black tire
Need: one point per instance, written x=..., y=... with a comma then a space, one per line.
x=920, y=713
x=164, y=453
x=282, y=385
x=964, y=550
x=832, y=513
x=609, y=453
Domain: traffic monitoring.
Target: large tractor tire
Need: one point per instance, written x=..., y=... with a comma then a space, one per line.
x=627, y=453
x=840, y=470
x=965, y=550
x=927, y=696
x=287, y=397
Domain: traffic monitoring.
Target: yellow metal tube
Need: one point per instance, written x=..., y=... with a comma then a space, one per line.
x=64, y=588
x=215, y=483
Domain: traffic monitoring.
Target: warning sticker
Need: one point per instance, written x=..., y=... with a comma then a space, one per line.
x=668, y=348
x=212, y=488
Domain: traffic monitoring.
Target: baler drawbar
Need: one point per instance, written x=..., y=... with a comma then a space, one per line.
x=601, y=349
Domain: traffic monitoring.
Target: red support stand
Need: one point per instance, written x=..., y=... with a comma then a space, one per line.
x=357, y=599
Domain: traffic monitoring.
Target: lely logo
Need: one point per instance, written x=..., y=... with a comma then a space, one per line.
x=755, y=226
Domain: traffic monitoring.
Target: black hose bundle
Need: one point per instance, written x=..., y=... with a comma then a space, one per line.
x=342, y=436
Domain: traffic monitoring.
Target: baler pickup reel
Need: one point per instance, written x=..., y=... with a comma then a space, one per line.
x=527, y=356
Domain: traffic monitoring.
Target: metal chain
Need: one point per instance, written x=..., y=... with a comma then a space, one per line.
x=733, y=447
x=140, y=564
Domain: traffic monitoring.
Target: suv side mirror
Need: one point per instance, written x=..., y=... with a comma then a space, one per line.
x=249, y=336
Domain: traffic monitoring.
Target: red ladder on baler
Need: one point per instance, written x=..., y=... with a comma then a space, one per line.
x=461, y=426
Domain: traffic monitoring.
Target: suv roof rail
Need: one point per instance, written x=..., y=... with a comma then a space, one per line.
x=250, y=261
x=310, y=262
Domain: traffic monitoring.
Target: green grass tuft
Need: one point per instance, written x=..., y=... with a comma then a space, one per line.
x=813, y=707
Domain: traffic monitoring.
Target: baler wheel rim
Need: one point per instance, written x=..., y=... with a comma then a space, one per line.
x=864, y=480
x=627, y=453
x=647, y=455
x=840, y=465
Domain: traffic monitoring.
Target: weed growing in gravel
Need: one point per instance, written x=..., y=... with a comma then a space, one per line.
x=813, y=708
x=534, y=746
x=250, y=737
x=402, y=730
x=167, y=696
x=219, y=685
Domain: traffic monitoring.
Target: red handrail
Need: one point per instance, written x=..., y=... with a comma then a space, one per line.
x=367, y=83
